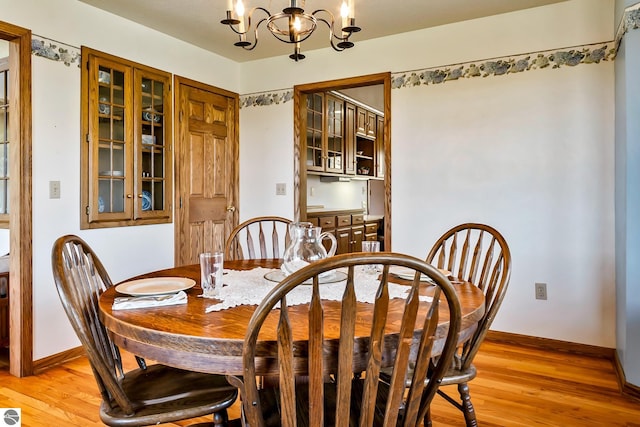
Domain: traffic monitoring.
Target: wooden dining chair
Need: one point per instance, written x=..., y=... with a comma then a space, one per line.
x=153, y=395
x=264, y=237
x=479, y=254
x=310, y=391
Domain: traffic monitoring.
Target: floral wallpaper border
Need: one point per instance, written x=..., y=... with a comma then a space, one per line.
x=266, y=98
x=54, y=50
x=508, y=65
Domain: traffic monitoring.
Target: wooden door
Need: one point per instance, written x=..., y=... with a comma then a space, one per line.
x=206, y=169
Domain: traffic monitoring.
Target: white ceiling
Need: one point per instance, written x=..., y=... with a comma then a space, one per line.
x=198, y=21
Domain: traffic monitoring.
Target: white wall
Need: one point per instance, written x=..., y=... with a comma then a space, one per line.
x=336, y=195
x=529, y=153
x=56, y=146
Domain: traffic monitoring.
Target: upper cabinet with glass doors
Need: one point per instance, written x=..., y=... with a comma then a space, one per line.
x=325, y=133
x=126, y=155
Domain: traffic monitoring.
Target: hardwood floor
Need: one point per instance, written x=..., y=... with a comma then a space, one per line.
x=516, y=386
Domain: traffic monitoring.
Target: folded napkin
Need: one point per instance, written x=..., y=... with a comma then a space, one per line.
x=126, y=303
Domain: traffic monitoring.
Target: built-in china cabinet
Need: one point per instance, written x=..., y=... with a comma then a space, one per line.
x=126, y=137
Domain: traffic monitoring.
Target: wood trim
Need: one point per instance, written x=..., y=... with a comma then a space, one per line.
x=627, y=389
x=45, y=363
x=299, y=165
x=20, y=216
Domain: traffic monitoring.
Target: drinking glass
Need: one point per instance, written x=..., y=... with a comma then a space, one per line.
x=211, y=273
x=371, y=246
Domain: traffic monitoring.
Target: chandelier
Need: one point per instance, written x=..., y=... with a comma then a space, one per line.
x=292, y=25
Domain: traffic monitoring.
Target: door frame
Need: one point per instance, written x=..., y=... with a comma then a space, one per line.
x=299, y=164
x=20, y=214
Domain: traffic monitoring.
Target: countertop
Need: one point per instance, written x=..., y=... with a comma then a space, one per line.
x=316, y=212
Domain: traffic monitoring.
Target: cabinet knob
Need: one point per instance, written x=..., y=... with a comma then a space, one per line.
x=231, y=208
x=129, y=196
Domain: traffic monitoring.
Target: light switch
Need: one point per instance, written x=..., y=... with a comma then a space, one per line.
x=54, y=189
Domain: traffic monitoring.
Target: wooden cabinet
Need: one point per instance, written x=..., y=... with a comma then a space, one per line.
x=349, y=233
x=325, y=133
x=369, y=141
x=348, y=228
x=371, y=230
x=126, y=156
x=365, y=123
x=350, y=163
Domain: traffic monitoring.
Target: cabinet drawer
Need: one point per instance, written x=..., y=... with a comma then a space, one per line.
x=357, y=219
x=314, y=220
x=343, y=220
x=327, y=221
x=371, y=228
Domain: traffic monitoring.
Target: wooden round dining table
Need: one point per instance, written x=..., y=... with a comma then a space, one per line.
x=185, y=336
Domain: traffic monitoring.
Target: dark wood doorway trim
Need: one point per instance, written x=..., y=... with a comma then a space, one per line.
x=299, y=165
x=20, y=217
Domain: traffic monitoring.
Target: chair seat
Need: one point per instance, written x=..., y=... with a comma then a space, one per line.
x=175, y=395
x=457, y=376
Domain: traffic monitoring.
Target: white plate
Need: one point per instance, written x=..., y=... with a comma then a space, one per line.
x=408, y=273
x=155, y=286
x=111, y=173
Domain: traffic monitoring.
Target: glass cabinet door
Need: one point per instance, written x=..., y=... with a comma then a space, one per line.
x=315, y=112
x=153, y=114
x=113, y=164
x=335, y=135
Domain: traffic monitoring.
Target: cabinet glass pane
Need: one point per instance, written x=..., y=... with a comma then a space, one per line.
x=110, y=195
x=317, y=121
x=111, y=159
x=4, y=124
x=118, y=124
x=4, y=160
x=4, y=196
x=3, y=87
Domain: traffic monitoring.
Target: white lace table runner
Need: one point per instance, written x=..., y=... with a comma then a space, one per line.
x=249, y=287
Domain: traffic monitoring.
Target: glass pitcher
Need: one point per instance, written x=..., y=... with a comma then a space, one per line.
x=306, y=246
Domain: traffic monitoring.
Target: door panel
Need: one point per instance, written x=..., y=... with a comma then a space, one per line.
x=206, y=170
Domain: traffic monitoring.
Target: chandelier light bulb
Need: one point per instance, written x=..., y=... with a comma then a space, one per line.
x=240, y=9
x=344, y=10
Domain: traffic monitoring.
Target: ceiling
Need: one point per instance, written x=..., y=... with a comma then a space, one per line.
x=198, y=21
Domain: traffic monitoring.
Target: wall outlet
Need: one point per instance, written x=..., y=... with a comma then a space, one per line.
x=541, y=291
x=281, y=189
